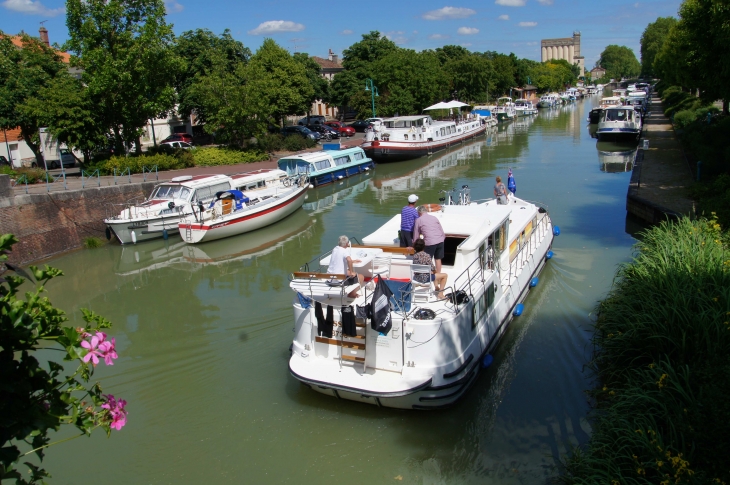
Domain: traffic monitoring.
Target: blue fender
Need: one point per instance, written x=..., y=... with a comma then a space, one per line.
x=556, y=231
x=487, y=361
x=519, y=308
x=534, y=281
x=164, y=234
x=549, y=254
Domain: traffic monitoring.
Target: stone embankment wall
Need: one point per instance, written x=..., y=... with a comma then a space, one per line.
x=51, y=223
x=642, y=207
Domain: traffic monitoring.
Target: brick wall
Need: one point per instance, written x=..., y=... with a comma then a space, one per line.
x=49, y=224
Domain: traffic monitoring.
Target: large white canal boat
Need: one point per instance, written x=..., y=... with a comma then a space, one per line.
x=619, y=122
x=407, y=137
x=160, y=214
x=435, y=347
x=270, y=195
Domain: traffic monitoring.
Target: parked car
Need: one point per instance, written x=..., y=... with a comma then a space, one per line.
x=173, y=145
x=341, y=128
x=313, y=120
x=359, y=125
x=4, y=161
x=66, y=158
x=324, y=130
x=301, y=131
x=187, y=138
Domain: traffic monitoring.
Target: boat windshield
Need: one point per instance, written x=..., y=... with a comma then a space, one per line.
x=295, y=166
x=171, y=192
x=617, y=114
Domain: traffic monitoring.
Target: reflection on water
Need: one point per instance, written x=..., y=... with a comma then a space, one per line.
x=203, y=334
x=618, y=161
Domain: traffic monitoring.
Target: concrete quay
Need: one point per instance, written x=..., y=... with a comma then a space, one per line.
x=661, y=176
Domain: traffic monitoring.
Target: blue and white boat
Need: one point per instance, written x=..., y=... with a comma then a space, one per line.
x=327, y=166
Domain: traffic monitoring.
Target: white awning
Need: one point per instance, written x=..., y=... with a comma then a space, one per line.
x=440, y=105
x=455, y=104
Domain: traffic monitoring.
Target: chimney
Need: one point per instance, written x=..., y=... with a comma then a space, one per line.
x=44, y=36
x=333, y=57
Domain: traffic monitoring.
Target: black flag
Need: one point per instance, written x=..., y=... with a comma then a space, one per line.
x=380, y=308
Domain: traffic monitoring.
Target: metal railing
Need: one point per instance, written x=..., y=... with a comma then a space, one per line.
x=23, y=178
x=126, y=171
x=526, y=250
x=146, y=171
x=315, y=262
x=55, y=179
x=86, y=176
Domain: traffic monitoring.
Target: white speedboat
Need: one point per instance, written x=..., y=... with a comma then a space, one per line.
x=525, y=108
x=548, y=100
x=619, y=122
x=270, y=195
x=159, y=214
x=407, y=137
x=434, y=347
x=486, y=114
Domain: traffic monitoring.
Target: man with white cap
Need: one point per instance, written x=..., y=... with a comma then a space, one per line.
x=408, y=217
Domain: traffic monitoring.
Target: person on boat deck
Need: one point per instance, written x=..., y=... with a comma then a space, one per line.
x=500, y=192
x=408, y=217
x=341, y=263
x=422, y=257
x=429, y=227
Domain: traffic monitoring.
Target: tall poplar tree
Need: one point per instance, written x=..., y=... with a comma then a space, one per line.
x=124, y=49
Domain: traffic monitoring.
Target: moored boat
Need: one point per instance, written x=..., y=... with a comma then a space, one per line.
x=266, y=200
x=505, y=109
x=327, y=166
x=524, y=107
x=159, y=214
x=426, y=351
x=407, y=137
x=548, y=100
x=619, y=122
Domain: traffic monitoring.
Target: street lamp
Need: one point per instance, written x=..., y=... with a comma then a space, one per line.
x=369, y=86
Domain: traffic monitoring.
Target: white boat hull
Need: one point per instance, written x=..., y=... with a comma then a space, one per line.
x=240, y=223
x=134, y=231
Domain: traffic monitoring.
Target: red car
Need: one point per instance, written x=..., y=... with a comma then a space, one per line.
x=341, y=127
x=187, y=138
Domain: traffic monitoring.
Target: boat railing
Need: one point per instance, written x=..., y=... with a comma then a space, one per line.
x=526, y=250
x=315, y=265
x=113, y=209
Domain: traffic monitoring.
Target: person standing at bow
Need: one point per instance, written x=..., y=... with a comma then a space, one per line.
x=408, y=217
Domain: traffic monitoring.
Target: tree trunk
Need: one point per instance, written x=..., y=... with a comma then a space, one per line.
x=34, y=147
x=118, y=142
x=139, y=145
x=725, y=107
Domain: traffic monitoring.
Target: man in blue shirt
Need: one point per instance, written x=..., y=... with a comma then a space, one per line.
x=408, y=217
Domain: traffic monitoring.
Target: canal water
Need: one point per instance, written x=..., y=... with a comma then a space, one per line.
x=203, y=334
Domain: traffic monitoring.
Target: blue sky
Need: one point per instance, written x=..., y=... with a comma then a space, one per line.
x=316, y=26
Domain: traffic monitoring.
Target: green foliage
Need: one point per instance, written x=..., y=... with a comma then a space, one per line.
x=294, y=143
x=210, y=157
x=92, y=242
x=714, y=197
x=32, y=175
x=274, y=142
x=129, y=68
x=38, y=397
x=662, y=360
x=619, y=62
x=177, y=161
x=652, y=41
x=26, y=73
x=552, y=75
x=321, y=87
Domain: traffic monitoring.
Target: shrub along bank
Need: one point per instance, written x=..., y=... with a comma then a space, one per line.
x=662, y=364
x=705, y=135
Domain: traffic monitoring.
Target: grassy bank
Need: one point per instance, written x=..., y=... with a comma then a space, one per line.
x=661, y=362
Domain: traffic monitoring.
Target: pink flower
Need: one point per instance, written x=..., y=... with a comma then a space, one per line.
x=92, y=346
x=116, y=411
x=107, y=351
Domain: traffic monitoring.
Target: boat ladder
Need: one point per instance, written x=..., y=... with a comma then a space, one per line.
x=188, y=233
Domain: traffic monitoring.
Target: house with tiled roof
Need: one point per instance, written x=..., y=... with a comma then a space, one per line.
x=328, y=68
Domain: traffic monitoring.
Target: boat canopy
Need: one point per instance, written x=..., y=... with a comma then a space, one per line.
x=448, y=105
x=232, y=194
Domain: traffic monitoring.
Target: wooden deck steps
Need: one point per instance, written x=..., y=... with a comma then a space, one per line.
x=352, y=348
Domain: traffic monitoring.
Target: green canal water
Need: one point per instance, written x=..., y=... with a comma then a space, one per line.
x=203, y=335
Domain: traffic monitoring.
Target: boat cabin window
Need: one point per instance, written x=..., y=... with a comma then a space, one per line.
x=482, y=305
x=498, y=239
x=294, y=166
x=616, y=114
x=405, y=137
x=443, y=132
x=342, y=160
x=203, y=193
x=450, y=245
x=359, y=155
x=171, y=192
x=322, y=164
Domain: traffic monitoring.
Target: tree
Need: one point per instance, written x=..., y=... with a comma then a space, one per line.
x=201, y=53
x=124, y=49
x=38, y=397
x=652, y=41
x=552, y=75
x=470, y=76
x=25, y=73
x=360, y=55
x=619, y=62
x=321, y=87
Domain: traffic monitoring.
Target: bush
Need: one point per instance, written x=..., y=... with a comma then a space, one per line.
x=662, y=363
x=276, y=142
x=135, y=164
x=683, y=118
x=32, y=175
x=294, y=143
x=714, y=197
x=210, y=157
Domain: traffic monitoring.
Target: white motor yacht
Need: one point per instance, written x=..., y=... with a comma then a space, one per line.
x=619, y=122
x=525, y=108
x=434, y=345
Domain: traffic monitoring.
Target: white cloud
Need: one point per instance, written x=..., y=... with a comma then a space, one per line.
x=276, y=26
x=545, y=2
x=173, y=6
x=449, y=13
x=397, y=36
x=503, y=17
x=32, y=8
x=347, y=32
x=466, y=44
x=467, y=31
x=438, y=36
x=527, y=24
x=510, y=3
